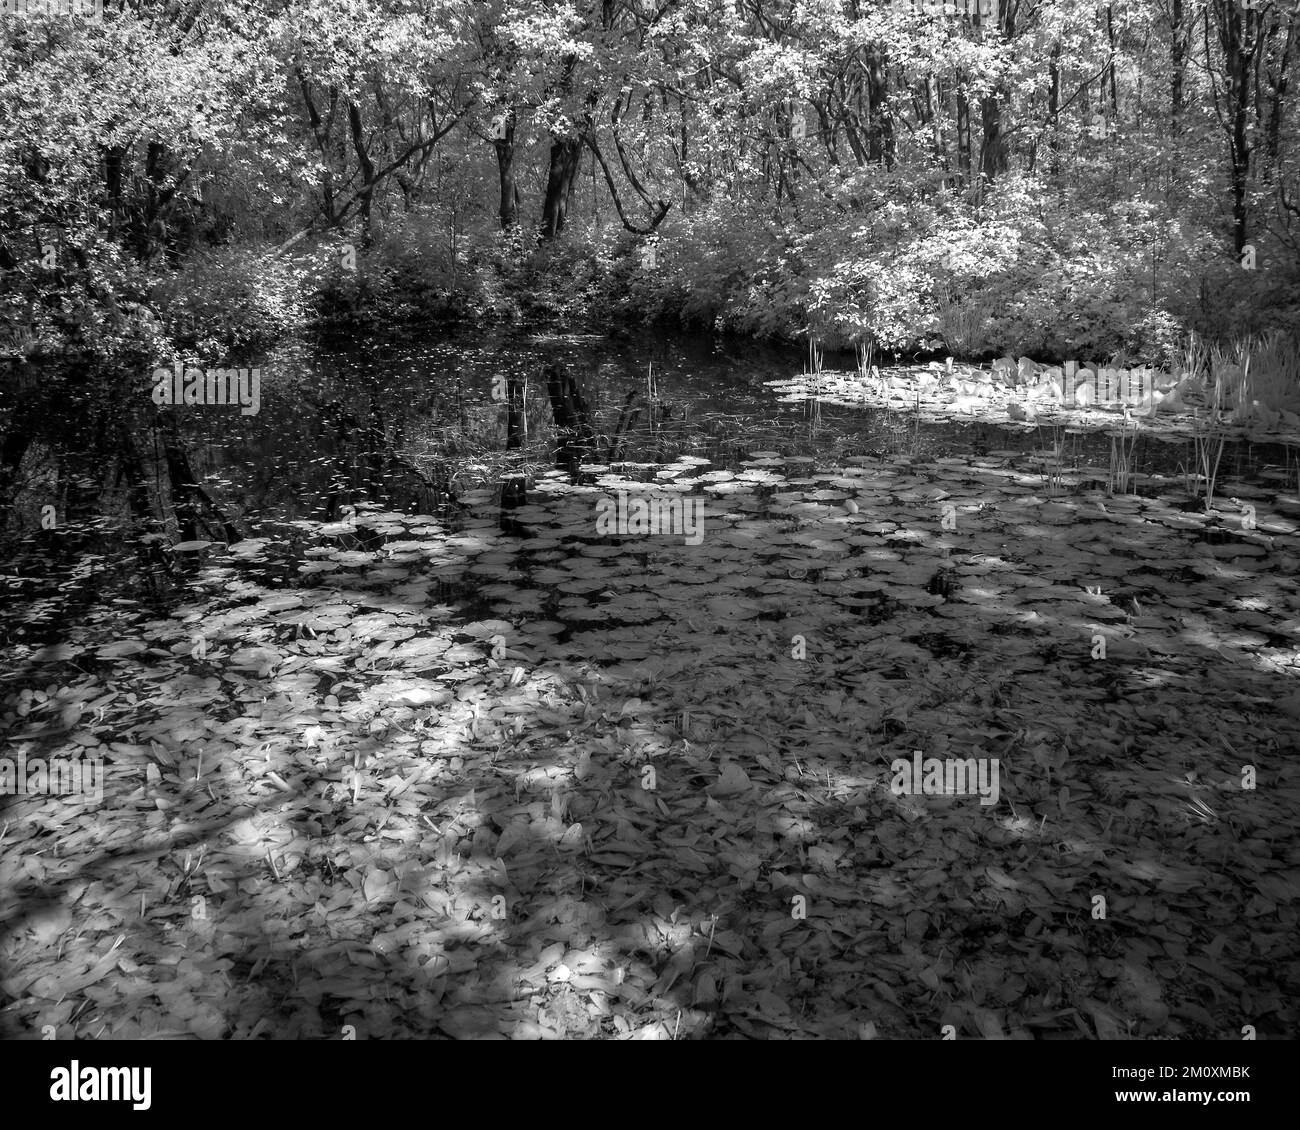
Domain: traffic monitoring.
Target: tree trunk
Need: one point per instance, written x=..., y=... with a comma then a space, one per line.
x=505, y=150
x=993, y=152
x=1054, y=111
x=934, y=117
x=1238, y=63
x=963, y=134
x=880, y=127
x=559, y=184
x=1179, y=49
x=1279, y=80
x=366, y=194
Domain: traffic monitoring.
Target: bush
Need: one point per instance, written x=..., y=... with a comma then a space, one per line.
x=232, y=298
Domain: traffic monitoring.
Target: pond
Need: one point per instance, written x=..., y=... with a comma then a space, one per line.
x=98, y=495
x=370, y=744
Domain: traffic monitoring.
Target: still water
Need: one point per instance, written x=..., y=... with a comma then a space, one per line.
x=98, y=487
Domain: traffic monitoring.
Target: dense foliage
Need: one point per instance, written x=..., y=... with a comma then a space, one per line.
x=1053, y=178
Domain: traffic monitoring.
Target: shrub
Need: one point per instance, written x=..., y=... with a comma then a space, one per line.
x=232, y=298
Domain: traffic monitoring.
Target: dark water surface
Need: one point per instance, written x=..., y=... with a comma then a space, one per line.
x=404, y=422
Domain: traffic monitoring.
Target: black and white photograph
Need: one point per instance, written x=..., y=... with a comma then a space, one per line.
x=618, y=520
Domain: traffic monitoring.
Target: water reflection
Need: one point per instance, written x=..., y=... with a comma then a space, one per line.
x=105, y=496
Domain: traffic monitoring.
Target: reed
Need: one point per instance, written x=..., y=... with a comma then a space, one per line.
x=1052, y=463
x=1209, y=451
x=813, y=385
x=1228, y=367
x=961, y=324
x=1193, y=359
x=1123, y=449
x=1270, y=372
x=652, y=398
x=866, y=351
